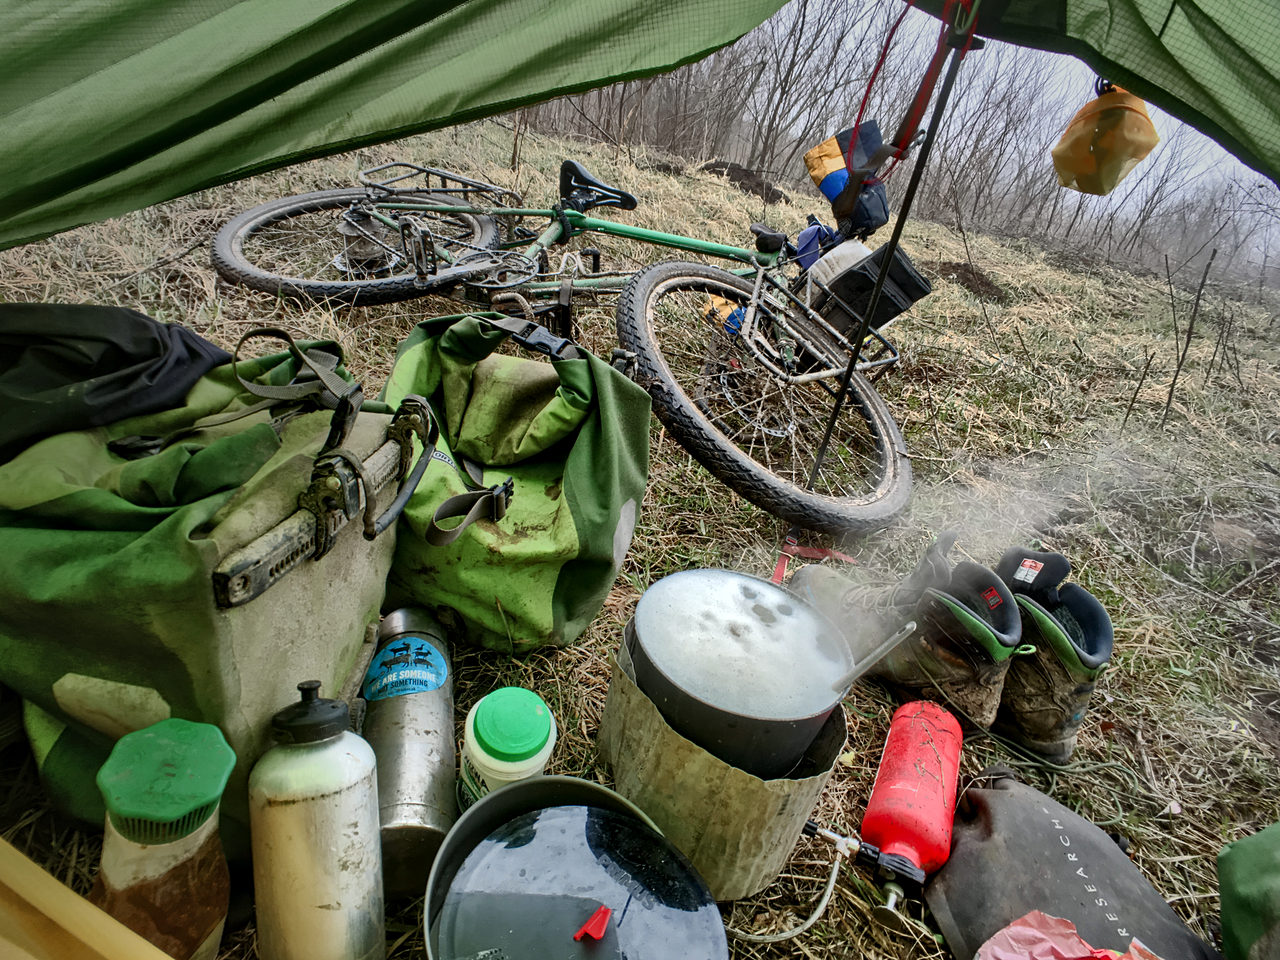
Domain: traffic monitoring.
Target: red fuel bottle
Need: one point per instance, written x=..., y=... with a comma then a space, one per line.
x=914, y=798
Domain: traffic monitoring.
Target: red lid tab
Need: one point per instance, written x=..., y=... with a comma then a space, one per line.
x=596, y=926
x=992, y=596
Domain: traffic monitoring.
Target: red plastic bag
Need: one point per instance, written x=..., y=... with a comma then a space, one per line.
x=1038, y=936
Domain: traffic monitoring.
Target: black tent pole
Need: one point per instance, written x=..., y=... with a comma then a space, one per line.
x=959, y=41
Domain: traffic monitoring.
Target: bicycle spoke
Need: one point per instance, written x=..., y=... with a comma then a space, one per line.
x=776, y=423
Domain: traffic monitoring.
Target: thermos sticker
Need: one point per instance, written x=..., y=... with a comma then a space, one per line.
x=409, y=665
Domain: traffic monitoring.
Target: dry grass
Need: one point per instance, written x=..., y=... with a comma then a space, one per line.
x=1013, y=414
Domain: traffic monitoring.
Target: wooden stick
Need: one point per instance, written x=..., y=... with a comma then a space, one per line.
x=1141, y=380
x=1186, y=347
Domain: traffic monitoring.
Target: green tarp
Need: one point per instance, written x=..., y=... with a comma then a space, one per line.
x=1213, y=64
x=110, y=105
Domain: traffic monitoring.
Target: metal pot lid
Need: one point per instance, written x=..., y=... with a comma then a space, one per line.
x=742, y=644
x=534, y=883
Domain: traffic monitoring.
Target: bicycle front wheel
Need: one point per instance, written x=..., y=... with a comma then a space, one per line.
x=754, y=430
x=315, y=247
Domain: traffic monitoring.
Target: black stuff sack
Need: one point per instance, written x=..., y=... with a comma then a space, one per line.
x=1015, y=849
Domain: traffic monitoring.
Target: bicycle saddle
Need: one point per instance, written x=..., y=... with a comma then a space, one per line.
x=581, y=191
x=768, y=240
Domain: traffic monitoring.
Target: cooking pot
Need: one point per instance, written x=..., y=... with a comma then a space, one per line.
x=529, y=866
x=739, y=666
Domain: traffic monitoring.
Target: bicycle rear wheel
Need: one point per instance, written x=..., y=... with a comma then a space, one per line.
x=752, y=429
x=294, y=247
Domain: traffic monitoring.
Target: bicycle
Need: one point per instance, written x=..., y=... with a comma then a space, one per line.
x=742, y=371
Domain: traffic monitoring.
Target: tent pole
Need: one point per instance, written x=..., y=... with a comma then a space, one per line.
x=935, y=122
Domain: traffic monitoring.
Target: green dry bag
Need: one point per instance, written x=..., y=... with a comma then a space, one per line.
x=572, y=438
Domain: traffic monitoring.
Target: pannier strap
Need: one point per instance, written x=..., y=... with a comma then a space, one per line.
x=487, y=504
x=327, y=388
x=535, y=337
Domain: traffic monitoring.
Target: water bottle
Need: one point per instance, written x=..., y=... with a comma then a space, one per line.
x=313, y=821
x=509, y=736
x=163, y=874
x=409, y=724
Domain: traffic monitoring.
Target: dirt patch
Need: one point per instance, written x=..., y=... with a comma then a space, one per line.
x=748, y=181
x=969, y=277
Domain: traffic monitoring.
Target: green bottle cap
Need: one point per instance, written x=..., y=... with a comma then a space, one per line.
x=512, y=724
x=162, y=782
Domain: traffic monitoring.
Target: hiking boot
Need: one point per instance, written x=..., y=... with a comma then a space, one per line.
x=1046, y=696
x=966, y=629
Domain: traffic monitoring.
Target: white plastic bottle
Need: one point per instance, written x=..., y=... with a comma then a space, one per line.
x=834, y=272
x=510, y=735
x=837, y=261
x=317, y=854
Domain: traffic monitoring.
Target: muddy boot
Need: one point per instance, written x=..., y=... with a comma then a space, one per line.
x=1047, y=695
x=966, y=629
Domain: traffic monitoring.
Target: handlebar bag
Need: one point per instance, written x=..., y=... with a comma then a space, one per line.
x=572, y=437
x=113, y=540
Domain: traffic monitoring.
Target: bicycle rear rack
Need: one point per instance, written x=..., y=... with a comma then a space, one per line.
x=464, y=187
x=884, y=357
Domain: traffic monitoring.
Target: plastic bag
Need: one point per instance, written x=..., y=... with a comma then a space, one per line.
x=1039, y=936
x=1104, y=141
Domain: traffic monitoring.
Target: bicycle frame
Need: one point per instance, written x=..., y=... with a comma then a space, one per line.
x=763, y=266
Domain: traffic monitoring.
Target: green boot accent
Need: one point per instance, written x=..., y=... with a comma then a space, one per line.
x=967, y=629
x=1047, y=696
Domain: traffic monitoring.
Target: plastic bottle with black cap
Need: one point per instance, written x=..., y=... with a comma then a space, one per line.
x=313, y=817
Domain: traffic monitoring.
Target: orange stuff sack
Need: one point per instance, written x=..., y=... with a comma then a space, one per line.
x=1104, y=141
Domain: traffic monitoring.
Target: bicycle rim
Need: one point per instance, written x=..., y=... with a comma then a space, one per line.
x=296, y=247
x=748, y=426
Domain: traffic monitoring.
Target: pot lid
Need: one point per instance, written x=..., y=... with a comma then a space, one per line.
x=543, y=877
x=742, y=644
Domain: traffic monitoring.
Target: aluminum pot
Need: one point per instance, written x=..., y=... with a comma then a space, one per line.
x=739, y=666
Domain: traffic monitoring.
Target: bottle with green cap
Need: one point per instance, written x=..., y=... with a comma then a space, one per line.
x=163, y=873
x=509, y=736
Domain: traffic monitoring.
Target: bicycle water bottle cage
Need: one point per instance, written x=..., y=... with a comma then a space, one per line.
x=580, y=191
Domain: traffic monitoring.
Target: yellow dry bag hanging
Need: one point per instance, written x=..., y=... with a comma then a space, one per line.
x=1104, y=141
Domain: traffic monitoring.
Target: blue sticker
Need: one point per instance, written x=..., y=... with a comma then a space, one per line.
x=408, y=665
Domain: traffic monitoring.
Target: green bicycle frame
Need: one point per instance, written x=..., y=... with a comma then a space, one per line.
x=754, y=263
x=581, y=223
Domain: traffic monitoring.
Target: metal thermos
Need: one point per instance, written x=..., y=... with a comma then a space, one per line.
x=409, y=725
x=313, y=820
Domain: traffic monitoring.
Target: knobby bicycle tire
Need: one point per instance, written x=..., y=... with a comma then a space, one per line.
x=752, y=430
x=287, y=247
